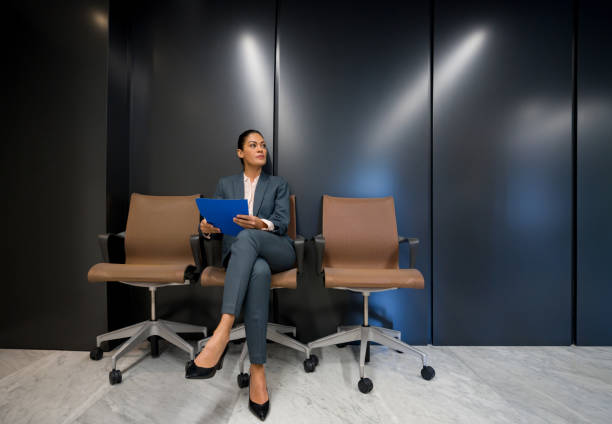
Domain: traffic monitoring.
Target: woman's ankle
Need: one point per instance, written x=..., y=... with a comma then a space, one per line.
x=221, y=334
x=257, y=370
x=225, y=325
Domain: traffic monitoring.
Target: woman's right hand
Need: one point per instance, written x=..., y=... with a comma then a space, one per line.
x=207, y=228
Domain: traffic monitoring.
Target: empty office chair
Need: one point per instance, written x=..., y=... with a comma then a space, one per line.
x=359, y=251
x=157, y=246
x=214, y=275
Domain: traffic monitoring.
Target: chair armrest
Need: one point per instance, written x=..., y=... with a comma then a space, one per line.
x=298, y=243
x=112, y=247
x=196, y=251
x=414, y=242
x=213, y=249
x=320, y=250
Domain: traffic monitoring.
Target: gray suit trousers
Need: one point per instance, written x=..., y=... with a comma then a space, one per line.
x=255, y=255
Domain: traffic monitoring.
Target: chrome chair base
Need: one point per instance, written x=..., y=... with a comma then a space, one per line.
x=137, y=333
x=365, y=334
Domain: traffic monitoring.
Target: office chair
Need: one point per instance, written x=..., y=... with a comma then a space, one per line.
x=359, y=251
x=157, y=247
x=214, y=275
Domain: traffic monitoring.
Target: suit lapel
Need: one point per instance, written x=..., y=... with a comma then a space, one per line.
x=260, y=190
x=239, y=187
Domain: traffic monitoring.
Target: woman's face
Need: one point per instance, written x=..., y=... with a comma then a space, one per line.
x=253, y=150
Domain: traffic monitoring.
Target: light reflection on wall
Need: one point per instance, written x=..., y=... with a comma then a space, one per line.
x=534, y=131
x=100, y=19
x=451, y=67
x=593, y=113
x=375, y=179
x=258, y=82
x=538, y=122
x=403, y=109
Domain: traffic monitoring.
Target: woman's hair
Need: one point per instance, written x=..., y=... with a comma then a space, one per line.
x=242, y=139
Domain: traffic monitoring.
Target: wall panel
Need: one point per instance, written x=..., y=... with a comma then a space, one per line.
x=594, y=160
x=502, y=162
x=53, y=173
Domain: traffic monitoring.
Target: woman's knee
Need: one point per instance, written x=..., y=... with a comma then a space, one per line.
x=244, y=239
x=247, y=234
x=261, y=270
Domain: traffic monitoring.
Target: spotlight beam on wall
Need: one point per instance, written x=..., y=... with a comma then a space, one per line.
x=258, y=82
x=404, y=109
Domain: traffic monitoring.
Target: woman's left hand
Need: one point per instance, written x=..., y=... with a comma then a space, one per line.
x=249, y=221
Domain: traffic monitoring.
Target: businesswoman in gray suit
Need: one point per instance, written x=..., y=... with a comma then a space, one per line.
x=261, y=248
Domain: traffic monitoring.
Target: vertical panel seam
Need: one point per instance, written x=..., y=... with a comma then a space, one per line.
x=574, y=288
x=275, y=101
x=431, y=170
x=275, y=305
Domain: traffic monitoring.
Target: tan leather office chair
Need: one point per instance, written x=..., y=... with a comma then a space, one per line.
x=214, y=275
x=359, y=251
x=157, y=246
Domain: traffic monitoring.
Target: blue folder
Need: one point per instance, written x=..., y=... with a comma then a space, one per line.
x=221, y=212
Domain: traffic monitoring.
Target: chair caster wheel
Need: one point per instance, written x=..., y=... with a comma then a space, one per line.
x=243, y=380
x=114, y=377
x=341, y=345
x=315, y=359
x=96, y=354
x=310, y=363
x=428, y=373
x=365, y=385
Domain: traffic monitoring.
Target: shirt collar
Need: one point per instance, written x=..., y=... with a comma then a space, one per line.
x=246, y=179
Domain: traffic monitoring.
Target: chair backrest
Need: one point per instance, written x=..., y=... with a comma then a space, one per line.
x=360, y=233
x=291, y=229
x=158, y=229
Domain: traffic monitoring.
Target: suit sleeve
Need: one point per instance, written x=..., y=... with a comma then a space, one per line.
x=219, y=194
x=280, y=216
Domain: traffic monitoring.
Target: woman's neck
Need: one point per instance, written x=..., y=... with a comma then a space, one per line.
x=252, y=172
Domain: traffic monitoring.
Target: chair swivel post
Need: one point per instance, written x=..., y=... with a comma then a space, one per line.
x=153, y=340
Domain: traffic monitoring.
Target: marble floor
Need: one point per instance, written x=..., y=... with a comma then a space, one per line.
x=472, y=385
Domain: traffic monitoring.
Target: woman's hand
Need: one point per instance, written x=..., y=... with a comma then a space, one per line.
x=248, y=221
x=207, y=228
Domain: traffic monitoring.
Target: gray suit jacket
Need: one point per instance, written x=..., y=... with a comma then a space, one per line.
x=271, y=202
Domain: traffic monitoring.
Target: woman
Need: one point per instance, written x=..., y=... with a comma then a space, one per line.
x=261, y=248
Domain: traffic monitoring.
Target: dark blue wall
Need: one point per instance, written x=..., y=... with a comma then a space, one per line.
x=502, y=173
x=594, y=206
x=507, y=192
x=353, y=118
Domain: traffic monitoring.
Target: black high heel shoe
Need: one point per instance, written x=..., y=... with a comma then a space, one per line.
x=193, y=371
x=258, y=409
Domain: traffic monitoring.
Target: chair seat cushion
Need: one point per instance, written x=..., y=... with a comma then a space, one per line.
x=173, y=273
x=373, y=278
x=215, y=276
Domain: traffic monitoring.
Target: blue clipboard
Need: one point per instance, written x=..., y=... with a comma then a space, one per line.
x=221, y=212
